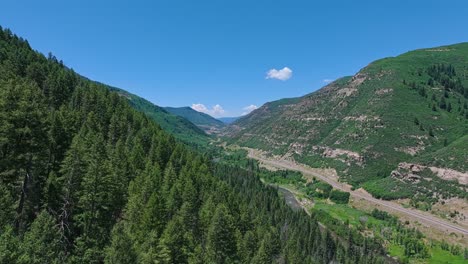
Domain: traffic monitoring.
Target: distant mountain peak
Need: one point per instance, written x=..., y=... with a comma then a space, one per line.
x=204, y=121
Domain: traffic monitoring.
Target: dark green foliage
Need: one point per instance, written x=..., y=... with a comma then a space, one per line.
x=221, y=241
x=9, y=242
x=339, y=197
x=178, y=126
x=42, y=242
x=282, y=177
x=202, y=120
x=382, y=215
x=447, y=77
x=121, y=249
x=431, y=132
x=319, y=189
x=304, y=235
x=442, y=103
x=387, y=188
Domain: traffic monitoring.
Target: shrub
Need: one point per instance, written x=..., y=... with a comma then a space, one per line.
x=339, y=197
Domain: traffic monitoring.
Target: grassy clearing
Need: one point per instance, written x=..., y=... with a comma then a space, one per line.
x=441, y=256
x=346, y=213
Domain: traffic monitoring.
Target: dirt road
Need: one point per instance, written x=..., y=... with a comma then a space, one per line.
x=422, y=217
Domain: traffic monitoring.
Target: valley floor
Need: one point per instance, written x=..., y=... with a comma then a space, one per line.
x=434, y=227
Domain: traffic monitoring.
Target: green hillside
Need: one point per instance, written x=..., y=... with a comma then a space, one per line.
x=177, y=125
x=202, y=120
x=408, y=109
x=85, y=178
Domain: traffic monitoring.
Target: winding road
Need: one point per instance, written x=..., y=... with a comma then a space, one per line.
x=422, y=217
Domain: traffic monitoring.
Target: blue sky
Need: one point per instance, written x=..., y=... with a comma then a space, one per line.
x=179, y=53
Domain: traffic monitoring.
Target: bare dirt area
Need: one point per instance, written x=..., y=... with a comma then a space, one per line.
x=455, y=209
x=428, y=229
x=432, y=226
x=449, y=174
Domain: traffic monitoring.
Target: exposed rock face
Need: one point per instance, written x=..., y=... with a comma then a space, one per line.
x=449, y=174
x=410, y=150
x=443, y=173
x=408, y=177
x=362, y=118
x=384, y=91
x=415, y=168
x=339, y=154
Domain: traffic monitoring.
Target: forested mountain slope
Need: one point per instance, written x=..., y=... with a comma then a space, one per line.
x=399, y=127
x=202, y=120
x=85, y=178
x=182, y=128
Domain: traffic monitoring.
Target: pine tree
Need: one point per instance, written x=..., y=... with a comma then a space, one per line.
x=221, y=241
x=431, y=132
x=94, y=217
x=121, y=250
x=173, y=245
x=7, y=208
x=9, y=243
x=139, y=212
x=120, y=177
x=442, y=103
x=430, y=82
x=73, y=168
x=262, y=256
x=154, y=214
x=42, y=242
x=23, y=141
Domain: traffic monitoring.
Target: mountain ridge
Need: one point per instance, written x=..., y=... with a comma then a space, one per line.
x=177, y=125
x=204, y=121
x=411, y=107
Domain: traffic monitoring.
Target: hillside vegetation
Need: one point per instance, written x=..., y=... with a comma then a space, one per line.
x=399, y=127
x=85, y=178
x=178, y=126
x=204, y=121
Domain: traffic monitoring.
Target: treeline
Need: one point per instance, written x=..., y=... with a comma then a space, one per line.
x=446, y=77
x=303, y=239
x=84, y=178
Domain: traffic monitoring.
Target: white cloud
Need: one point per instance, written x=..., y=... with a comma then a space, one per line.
x=218, y=110
x=200, y=108
x=327, y=81
x=249, y=109
x=283, y=74
x=215, y=111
